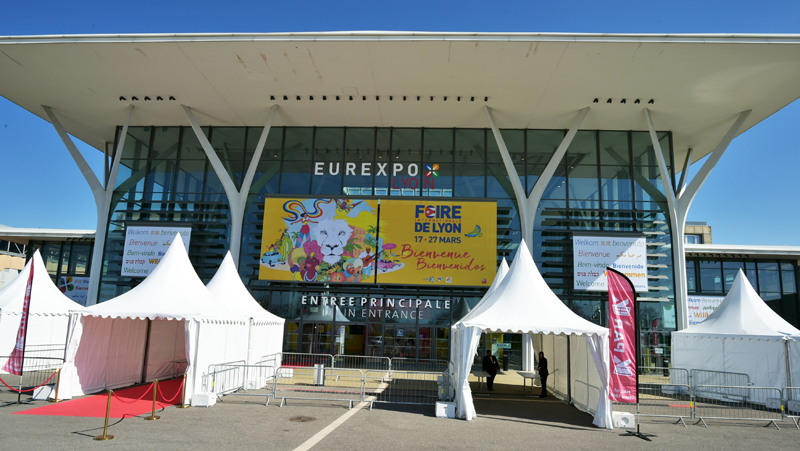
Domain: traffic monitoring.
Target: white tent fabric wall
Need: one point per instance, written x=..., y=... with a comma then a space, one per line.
x=49, y=310
x=456, y=334
x=743, y=335
x=794, y=356
x=111, y=353
x=587, y=383
x=107, y=343
x=762, y=358
x=265, y=347
x=524, y=304
x=469, y=338
x=167, y=349
x=219, y=343
x=266, y=329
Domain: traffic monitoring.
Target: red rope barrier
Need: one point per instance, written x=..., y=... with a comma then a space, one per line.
x=173, y=398
x=32, y=389
x=139, y=399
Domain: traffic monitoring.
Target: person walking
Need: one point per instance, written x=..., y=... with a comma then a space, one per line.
x=490, y=366
x=542, y=369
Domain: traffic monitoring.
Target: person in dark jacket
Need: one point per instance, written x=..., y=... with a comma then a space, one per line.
x=490, y=366
x=542, y=369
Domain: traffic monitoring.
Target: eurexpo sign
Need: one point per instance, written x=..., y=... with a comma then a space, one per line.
x=402, y=175
x=322, y=168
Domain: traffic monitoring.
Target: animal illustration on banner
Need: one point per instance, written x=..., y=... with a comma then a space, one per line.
x=320, y=240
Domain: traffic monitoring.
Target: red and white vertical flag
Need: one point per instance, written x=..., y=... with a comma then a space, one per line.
x=622, y=337
x=14, y=364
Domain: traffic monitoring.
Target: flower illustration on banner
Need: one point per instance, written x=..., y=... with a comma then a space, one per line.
x=66, y=284
x=431, y=170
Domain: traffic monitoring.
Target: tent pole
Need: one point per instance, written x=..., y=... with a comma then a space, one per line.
x=789, y=381
x=146, y=351
x=569, y=372
x=66, y=339
x=249, y=337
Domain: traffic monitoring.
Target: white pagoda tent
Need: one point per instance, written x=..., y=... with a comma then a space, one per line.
x=523, y=303
x=168, y=322
x=743, y=335
x=49, y=313
x=265, y=335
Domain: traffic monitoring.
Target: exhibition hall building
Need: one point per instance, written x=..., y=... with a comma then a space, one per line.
x=369, y=184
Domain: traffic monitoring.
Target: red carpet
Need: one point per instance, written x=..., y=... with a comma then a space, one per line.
x=125, y=403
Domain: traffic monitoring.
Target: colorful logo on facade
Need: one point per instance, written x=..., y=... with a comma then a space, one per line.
x=66, y=284
x=431, y=170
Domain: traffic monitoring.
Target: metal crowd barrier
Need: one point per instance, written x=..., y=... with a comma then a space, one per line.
x=748, y=403
x=300, y=360
x=404, y=387
x=718, y=378
x=296, y=359
x=791, y=397
x=663, y=375
x=273, y=359
x=223, y=378
x=319, y=383
x=324, y=377
x=430, y=365
x=362, y=362
x=55, y=351
x=237, y=378
x=35, y=371
x=664, y=401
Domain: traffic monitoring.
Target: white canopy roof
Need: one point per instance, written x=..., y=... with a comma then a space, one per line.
x=46, y=298
x=743, y=312
x=171, y=291
x=229, y=291
x=524, y=303
x=502, y=270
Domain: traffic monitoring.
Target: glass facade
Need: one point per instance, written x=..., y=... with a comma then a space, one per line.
x=64, y=258
x=774, y=280
x=608, y=183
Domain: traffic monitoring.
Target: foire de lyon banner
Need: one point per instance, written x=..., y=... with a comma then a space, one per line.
x=415, y=242
x=622, y=346
x=443, y=242
x=14, y=364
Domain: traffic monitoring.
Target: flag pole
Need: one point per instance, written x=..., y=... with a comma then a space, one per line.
x=637, y=328
x=18, y=354
x=637, y=343
x=26, y=313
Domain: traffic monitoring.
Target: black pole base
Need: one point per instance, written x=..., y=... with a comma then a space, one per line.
x=15, y=402
x=637, y=434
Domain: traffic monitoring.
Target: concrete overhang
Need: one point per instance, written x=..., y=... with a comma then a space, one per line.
x=697, y=83
x=20, y=234
x=742, y=251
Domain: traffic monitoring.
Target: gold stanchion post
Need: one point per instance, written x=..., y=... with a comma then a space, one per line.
x=105, y=435
x=58, y=384
x=183, y=402
x=155, y=394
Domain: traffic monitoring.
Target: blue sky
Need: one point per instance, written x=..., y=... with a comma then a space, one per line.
x=747, y=200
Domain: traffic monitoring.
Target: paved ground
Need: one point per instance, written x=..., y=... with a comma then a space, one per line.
x=507, y=420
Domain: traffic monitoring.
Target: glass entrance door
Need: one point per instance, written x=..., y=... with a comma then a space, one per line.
x=317, y=338
x=375, y=340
